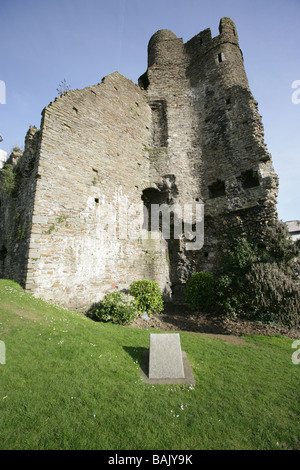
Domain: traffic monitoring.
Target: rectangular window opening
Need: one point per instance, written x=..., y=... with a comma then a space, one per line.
x=249, y=179
x=216, y=189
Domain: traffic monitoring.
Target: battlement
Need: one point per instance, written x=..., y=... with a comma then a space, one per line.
x=227, y=26
x=168, y=53
x=204, y=40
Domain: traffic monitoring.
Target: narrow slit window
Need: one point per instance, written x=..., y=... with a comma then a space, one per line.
x=159, y=123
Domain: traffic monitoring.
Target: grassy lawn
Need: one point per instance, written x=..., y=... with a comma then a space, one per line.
x=71, y=383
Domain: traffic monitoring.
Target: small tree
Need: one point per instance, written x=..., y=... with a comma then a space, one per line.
x=261, y=280
x=280, y=248
x=273, y=294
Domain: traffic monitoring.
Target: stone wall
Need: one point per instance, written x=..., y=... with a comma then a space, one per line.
x=93, y=164
x=190, y=133
x=17, y=192
x=215, y=146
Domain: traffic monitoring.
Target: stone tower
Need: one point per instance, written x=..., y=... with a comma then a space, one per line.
x=74, y=226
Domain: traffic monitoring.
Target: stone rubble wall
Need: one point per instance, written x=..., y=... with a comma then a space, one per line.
x=190, y=133
x=215, y=148
x=93, y=159
x=16, y=208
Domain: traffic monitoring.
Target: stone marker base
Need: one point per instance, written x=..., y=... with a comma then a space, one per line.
x=188, y=374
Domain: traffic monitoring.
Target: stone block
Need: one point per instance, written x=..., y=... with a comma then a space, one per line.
x=165, y=359
x=40, y=219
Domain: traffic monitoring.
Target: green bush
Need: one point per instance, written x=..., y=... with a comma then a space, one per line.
x=116, y=307
x=199, y=290
x=273, y=295
x=231, y=290
x=261, y=280
x=7, y=179
x=240, y=256
x=228, y=296
x=148, y=296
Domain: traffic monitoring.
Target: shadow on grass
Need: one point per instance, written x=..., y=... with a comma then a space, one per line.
x=138, y=355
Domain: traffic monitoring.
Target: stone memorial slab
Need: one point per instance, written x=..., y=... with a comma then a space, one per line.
x=165, y=357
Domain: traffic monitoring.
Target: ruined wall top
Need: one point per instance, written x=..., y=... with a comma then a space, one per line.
x=190, y=133
x=165, y=47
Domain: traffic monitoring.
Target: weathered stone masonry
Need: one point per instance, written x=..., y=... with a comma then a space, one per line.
x=190, y=132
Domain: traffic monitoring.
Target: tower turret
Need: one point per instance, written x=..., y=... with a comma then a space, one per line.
x=228, y=28
x=161, y=47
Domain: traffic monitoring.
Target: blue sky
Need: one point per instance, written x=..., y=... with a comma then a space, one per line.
x=43, y=42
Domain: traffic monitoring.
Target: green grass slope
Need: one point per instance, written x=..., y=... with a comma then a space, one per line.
x=70, y=383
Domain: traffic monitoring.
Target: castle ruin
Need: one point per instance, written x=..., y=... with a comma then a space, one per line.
x=189, y=133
